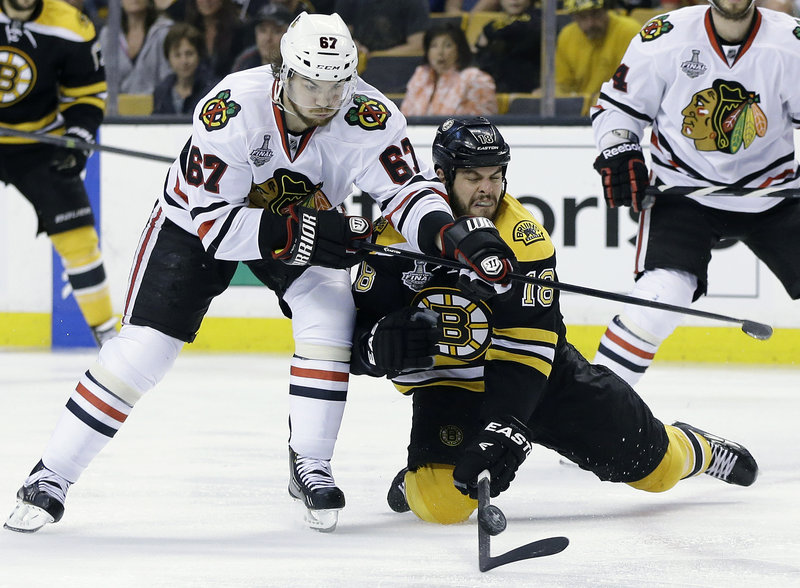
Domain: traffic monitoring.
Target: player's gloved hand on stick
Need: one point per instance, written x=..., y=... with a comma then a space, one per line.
x=474, y=241
x=70, y=162
x=323, y=237
x=624, y=174
x=500, y=448
x=402, y=340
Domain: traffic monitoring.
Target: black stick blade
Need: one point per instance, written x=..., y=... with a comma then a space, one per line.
x=541, y=548
x=756, y=330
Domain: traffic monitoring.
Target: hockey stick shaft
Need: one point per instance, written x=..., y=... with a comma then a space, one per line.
x=752, y=328
x=718, y=191
x=71, y=143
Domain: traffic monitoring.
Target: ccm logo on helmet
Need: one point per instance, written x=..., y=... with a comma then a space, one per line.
x=611, y=151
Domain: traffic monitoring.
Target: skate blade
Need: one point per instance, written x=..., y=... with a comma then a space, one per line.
x=27, y=518
x=323, y=521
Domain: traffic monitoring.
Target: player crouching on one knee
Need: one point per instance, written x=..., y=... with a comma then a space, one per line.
x=491, y=373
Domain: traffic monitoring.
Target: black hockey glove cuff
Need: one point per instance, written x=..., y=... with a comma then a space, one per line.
x=624, y=175
x=401, y=341
x=70, y=162
x=500, y=448
x=323, y=237
x=475, y=241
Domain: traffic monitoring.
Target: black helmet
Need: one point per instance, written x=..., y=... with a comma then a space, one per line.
x=472, y=142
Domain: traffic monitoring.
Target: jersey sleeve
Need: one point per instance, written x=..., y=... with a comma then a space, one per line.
x=409, y=194
x=216, y=181
x=632, y=97
x=82, y=80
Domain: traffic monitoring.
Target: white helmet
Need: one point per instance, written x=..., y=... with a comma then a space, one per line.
x=319, y=47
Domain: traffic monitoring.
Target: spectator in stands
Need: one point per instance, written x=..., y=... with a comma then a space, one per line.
x=251, y=8
x=390, y=26
x=446, y=84
x=189, y=81
x=589, y=49
x=780, y=5
x=270, y=24
x=225, y=35
x=140, y=58
x=509, y=48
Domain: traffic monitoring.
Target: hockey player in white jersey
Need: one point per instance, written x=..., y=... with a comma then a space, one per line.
x=274, y=151
x=719, y=86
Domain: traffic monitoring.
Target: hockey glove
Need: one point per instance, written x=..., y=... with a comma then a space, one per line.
x=624, y=174
x=474, y=241
x=322, y=237
x=70, y=162
x=500, y=448
x=401, y=341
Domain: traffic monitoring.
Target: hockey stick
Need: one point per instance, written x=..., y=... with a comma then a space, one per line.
x=756, y=330
x=717, y=191
x=71, y=143
x=492, y=521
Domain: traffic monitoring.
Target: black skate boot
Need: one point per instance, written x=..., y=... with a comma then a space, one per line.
x=311, y=481
x=730, y=462
x=396, y=497
x=105, y=331
x=40, y=501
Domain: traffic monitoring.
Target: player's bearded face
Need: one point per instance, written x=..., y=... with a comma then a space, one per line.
x=734, y=9
x=477, y=191
x=314, y=102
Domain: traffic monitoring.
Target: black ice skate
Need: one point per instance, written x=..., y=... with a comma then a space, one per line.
x=311, y=481
x=730, y=462
x=104, y=332
x=40, y=501
x=396, y=497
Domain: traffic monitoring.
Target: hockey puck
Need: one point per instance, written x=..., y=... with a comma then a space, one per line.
x=492, y=520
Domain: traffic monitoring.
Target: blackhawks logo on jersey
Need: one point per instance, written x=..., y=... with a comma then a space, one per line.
x=724, y=117
x=656, y=27
x=287, y=187
x=217, y=111
x=527, y=232
x=368, y=113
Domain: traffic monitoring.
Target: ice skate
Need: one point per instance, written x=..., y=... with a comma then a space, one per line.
x=730, y=462
x=105, y=331
x=396, y=497
x=311, y=481
x=40, y=501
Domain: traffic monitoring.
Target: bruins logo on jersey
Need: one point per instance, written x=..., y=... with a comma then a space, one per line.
x=287, y=187
x=655, y=27
x=527, y=232
x=724, y=117
x=368, y=113
x=17, y=75
x=466, y=332
x=217, y=111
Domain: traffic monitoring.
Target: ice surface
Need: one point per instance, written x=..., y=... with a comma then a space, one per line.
x=192, y=491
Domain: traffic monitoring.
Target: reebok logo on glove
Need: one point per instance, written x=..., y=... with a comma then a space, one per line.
x=517, y=437
x=621, y=148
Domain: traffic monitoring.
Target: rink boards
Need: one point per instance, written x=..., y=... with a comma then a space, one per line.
x=550, y=172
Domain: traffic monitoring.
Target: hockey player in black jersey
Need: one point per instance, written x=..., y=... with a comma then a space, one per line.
x=52, y=81
x=493, y=376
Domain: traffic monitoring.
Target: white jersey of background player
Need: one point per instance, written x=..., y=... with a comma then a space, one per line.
x=719, y=86
x=269, y=156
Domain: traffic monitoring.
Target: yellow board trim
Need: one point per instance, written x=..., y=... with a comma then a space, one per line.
x=274, y=335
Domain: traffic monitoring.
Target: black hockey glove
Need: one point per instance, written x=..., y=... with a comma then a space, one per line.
x=70, y=162
x=323, y=237
x=500, y=448
x=474, y=240
x=402, y=340
x=624, y=174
